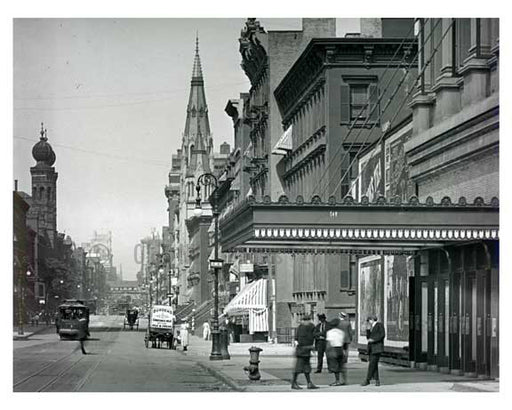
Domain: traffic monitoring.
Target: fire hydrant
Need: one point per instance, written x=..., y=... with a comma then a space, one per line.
x=253, y=369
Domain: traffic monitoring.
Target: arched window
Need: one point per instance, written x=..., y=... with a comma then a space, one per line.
x=49, y=193
x=41, y=193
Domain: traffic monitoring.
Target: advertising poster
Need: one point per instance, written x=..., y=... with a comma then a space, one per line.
x=397, y=170
x=370, y=291
x=370, y=175
x=397, y=303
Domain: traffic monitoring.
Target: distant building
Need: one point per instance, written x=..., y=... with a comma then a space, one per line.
x=43, y=257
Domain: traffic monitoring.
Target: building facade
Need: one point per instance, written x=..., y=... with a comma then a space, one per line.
x=419, y=210
x=454, y=153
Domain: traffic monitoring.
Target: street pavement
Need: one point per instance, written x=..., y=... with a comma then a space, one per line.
x=119, y=362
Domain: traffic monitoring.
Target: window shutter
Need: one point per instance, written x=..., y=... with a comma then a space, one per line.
x=373, y=97
x=345, y=272
x=345, y=104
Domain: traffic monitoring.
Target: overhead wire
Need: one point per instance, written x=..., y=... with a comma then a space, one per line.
x=365, y=107
x=398, y=110
x=153, y=162
x=374, y=125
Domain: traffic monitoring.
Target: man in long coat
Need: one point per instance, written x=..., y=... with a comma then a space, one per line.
x=375, y=334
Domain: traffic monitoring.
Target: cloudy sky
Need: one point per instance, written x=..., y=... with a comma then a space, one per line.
x=112, y=94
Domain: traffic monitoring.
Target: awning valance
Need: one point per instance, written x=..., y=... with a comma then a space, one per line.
x=252, y=296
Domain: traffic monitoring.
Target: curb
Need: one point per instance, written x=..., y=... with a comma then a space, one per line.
x=221, y=376
x=28, y=335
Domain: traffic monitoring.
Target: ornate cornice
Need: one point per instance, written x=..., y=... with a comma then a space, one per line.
x=341, y=52
x=254, y=56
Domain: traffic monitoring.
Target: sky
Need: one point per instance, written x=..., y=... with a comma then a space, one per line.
x=112, y=94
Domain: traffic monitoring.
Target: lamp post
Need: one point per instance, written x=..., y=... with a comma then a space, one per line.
x=209, y=180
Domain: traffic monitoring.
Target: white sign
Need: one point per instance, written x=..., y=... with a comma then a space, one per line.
x=246, y=267
x=162, y=317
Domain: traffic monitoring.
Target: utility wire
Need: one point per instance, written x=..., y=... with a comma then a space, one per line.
x=364, y=143
x=398, y=111
x=352, y=126
x=153, y=162
x=172, y=91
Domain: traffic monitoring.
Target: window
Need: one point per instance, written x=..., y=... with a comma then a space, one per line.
x=359, y=102
x=359, y=98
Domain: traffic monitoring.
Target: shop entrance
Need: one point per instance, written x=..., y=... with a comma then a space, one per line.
x=452, y=323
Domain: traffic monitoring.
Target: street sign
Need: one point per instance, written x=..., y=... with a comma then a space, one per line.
x=216, y=263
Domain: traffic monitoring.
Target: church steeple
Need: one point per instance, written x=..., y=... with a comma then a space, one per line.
x=197, y=71
x=196, y=136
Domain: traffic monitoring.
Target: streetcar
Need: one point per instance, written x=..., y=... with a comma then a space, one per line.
x=131, y=319
x=70, y=319
x=160, y=327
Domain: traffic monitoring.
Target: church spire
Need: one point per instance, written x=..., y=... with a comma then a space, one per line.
x=197, y=70
x=197, y=126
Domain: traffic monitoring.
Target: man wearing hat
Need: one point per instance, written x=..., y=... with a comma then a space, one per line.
x=320, y=342
x=304, y=339
x=375, y=334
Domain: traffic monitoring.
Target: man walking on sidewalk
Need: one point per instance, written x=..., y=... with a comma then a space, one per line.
x=320, y=333
x=375, y=334
x=304, y=340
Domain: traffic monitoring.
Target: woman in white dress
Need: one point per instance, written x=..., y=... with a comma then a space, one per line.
x=184, y=334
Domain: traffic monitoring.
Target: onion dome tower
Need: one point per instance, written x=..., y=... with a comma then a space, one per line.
x=44, y=186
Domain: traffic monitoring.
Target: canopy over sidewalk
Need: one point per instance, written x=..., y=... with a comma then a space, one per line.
x=381, y=227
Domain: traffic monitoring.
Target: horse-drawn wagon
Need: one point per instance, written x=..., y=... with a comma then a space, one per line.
x=160, y=327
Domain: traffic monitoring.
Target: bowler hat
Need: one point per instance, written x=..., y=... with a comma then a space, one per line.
x=321, y=316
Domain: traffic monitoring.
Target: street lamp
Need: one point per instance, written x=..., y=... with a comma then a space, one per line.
x=209, y=180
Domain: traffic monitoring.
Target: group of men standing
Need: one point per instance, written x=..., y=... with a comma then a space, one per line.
x=332, y=339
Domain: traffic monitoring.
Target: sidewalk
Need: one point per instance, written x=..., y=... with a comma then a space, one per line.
x=29, y=330
x=277, y=361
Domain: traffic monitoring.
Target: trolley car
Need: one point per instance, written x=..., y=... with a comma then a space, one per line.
x=161, y=327
x=70, y=318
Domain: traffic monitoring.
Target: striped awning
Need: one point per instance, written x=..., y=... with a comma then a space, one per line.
x=253, y=296
x=251, y=300
x=284, y=144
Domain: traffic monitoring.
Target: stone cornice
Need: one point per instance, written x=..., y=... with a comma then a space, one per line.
x=337, y=52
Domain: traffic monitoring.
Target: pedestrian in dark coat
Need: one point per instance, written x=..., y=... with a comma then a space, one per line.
x=304, y=343
x=375, y=334
x=82, y=330
x=320, y=343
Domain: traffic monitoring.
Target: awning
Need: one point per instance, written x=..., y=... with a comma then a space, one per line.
x=284, y=144
x=252, y=296
x=251, y=300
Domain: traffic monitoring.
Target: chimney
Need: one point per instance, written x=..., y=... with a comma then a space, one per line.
x=319, y=27
x=15, y=185
x=371, y=27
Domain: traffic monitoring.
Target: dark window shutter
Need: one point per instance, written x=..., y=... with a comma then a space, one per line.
x=373, y=97
x=345, y=104
x=345, y=272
